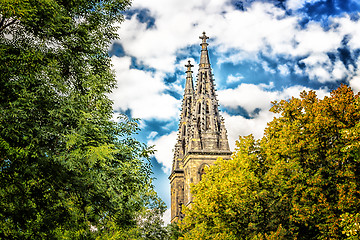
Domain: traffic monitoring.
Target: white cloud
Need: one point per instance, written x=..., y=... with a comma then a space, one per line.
x=239, y=126
x=284, y=69
x=349, y=28
x=142, y=92
x=152, y=135
x=339, y=71
x=314, y=39
x=167, y=216
x=316, y=59
x=319, y=67
x=269, y=86
x=175, y=22
x=232, y=79
x=267, y=68
x=250, y=97
x=238, y=35
x=355, y=84
x=261, y=25
x=164, y=146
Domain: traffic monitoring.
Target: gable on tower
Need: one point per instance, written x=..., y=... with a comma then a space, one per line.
x=202, y=136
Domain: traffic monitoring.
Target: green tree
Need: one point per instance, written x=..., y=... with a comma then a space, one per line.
x=174, y=231
x=301, y=180
x=66, y=170
x=151, y=223
x=232, y=200
x=319, y=140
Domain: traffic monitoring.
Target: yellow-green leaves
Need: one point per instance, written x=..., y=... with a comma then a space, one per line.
x=300, y=181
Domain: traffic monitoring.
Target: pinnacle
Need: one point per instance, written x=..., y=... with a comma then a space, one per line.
x=204, y=38
x=204, y=58
x=189, y=86
x=189, y=66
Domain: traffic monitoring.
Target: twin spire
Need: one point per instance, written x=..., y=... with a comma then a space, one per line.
x=202, y=135
x=201, y=127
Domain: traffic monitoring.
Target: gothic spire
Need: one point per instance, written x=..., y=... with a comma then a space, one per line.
x=189, y=86
x=202, y=136
x=204, y=58
x=185, y=118
x=208, y=130
x=201, y=126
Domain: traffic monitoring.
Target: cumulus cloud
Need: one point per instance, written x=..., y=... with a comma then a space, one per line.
x=248, y=96
x=239, y=126
x=232, y=79
x=164, y=146
x=349, y=28
x=251, y=97
x=238, y=35
x=175, y=21
x=284, y=69
x=314, y=39
x=355, y=84
x=142, y=92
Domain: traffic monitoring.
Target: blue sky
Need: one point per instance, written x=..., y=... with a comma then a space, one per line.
x=260, y=51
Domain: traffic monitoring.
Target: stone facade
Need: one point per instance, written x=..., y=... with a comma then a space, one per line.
x=202, y=135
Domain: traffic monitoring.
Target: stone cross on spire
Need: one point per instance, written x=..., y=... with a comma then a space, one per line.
x=204, y=38
x=189, y=66
x=204, y=58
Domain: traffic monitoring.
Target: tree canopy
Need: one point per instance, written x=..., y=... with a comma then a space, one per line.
x=66, y=169
x=300, y=181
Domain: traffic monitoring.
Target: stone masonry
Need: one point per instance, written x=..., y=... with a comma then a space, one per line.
x=202, y=136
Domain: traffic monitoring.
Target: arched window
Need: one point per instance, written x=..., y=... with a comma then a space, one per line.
x=202, y=170
x=199, y=108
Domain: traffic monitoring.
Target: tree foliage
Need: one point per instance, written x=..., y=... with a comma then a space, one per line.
x=66, y=170
x=300, y=181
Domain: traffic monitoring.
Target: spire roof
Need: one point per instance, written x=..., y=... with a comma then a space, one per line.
x=204, y=58
x=201, y=127
x=202, y=136
x=189, y=86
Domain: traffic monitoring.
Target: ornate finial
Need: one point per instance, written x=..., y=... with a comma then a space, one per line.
x=204, y=37
x=189, y=66
x=204, y=43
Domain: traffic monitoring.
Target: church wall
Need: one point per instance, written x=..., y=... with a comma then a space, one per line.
x=192, y=166
x=177, y=195
x=202, y=137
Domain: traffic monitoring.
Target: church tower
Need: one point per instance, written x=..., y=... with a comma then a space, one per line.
x=202, y=136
